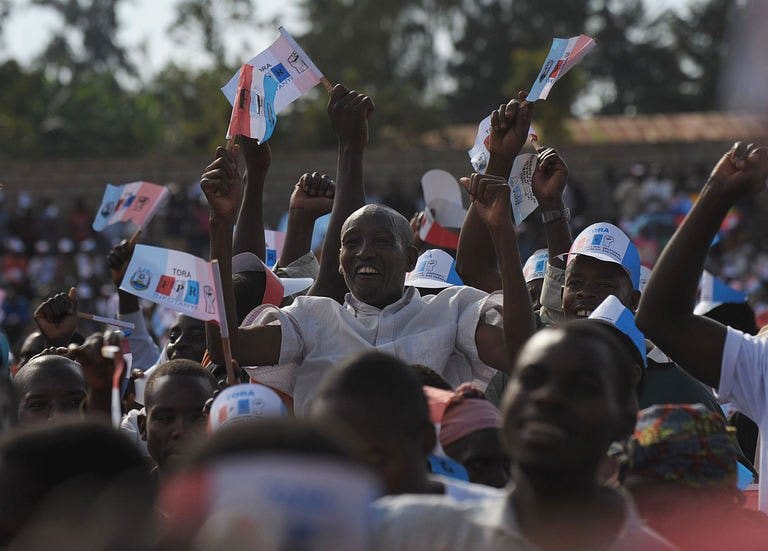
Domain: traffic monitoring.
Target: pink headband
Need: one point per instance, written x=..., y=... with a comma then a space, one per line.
x=467, y=412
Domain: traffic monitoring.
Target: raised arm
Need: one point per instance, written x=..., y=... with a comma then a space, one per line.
x=311, y=198
x=249, y=230
x=490, y=197
x=349, y=113
x=261, y=345
x=476, y=260
x=666, y=307
x=549, y=180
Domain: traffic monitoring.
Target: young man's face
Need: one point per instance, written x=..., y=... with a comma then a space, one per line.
x=186, y=340
x=175, y=416
x=589, y=281
x=373, y=259
x=561, y=409
x=51, y=389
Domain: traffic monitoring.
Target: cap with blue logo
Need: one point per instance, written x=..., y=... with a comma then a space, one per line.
x=714, y=292
x=613, y=312
x=435, y=269
x=608, y=243
x=242, y=403
x=536, y=265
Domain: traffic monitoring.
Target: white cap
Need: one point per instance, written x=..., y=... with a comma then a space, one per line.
x=244, y=402
x=435, y=269
x=536, y=266
x=608, y=243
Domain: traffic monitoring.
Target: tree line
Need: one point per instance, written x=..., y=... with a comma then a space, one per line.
x=427, y=63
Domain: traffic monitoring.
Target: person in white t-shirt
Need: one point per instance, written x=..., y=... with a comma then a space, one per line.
x=734, y=363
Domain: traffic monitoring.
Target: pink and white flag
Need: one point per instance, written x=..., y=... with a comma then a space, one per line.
x=253, y=113
x=563, y=55
x=284, y=61
x=177, y=280
x=136, y=202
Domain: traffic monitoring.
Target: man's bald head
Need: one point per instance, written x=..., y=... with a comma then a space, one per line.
x=396, y=222
x=48, y=387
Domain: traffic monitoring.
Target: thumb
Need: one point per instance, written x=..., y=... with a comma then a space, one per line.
x=73, y=296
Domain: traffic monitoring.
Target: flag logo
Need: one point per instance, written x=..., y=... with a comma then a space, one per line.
x=280, y=72
x=141, y=279
x=297, y=63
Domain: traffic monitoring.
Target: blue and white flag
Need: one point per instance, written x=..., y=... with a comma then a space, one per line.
x=562, y=56
x=177, y=280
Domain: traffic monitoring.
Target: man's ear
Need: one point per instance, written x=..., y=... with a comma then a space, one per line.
x=412, y=256
x=141, y=421
x=635, y=299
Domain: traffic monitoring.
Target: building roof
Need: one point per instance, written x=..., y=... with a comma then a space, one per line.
x=667, y=128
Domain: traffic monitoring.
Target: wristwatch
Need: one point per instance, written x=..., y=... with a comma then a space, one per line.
x=548, y=216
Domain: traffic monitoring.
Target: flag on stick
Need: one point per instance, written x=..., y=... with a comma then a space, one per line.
x=136, y=202
x=177, y=280
x=563, y=55
x=285, y=62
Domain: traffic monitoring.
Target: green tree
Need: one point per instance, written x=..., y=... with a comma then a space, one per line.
x=210, y=21
x=701, y=42
x=189, y=108
x=494, y=37
x=386, y=49
x=92, y=22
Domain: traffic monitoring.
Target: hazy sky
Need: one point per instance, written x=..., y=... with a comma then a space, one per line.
x=144, y=31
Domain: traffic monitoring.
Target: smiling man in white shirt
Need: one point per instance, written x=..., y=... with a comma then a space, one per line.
x=455, y=332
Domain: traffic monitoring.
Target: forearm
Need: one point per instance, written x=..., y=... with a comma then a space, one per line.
x=475, y=256
x=249, y=230
x=519, y=323
x=221, y=249
x=298, y=237
x=127, y=303
x=350, y=196
x=558, y=234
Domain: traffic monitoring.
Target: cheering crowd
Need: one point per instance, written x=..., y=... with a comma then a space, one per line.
x=394, y=394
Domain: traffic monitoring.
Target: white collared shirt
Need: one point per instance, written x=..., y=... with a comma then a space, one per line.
x=432, y=523
x=318, y=333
